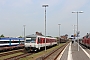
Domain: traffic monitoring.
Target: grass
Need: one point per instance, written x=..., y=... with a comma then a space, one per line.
x=8, y=56
x=36, y=55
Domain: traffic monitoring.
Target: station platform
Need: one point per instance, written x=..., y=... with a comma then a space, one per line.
x=72, y=52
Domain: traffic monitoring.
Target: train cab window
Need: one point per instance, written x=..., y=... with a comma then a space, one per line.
x=30, y=40
x=27, y=41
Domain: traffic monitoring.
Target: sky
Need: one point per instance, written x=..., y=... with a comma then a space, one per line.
x=16, y=13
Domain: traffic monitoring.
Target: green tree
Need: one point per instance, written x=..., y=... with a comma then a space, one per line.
x=48, y=36
x=56, y=37
x=2, y=35
x=20, y=37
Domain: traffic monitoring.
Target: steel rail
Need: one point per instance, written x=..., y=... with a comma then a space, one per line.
x=18, y=56
x=10, y=52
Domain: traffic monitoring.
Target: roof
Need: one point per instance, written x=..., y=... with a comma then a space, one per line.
x=33, y=35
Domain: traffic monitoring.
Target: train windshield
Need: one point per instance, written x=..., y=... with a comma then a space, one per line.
x=30, y=40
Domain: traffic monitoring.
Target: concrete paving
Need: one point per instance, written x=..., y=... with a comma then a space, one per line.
x=71, y=53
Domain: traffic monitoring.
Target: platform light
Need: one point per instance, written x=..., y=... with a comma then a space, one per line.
x=77, y=24
x=45, y=23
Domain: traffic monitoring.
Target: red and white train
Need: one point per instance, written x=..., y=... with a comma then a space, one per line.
x=36, y=42
x=86, y=40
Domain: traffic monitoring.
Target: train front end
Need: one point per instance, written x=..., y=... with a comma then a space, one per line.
x=30, y=44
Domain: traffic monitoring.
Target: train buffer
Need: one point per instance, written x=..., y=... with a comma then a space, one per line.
x=72, y=52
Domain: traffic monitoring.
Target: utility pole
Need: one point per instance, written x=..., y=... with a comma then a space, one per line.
x=59, y=32
x=24, y=31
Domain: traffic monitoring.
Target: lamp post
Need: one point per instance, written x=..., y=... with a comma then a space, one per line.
x=74, y=33
x=24, y=31
x=77, y=25
x=45, y=24
x=59, y=32
x=74, y=30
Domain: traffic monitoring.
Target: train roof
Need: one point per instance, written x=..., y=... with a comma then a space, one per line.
x=33, y=35
x=11, y=38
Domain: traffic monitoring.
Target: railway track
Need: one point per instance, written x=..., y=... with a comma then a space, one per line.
x=11, y=52
x=52, y=55
x=18, y=56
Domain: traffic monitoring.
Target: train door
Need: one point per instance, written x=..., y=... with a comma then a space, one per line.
x=89, y=42
x=39, y=43
x=42, y=41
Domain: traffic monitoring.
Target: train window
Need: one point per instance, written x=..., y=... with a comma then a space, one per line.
x=28, y=41
x=83, y=37
x=4, y=41
x=14, y=41
x=1, y=42
x=31, y=40
x=89, y=35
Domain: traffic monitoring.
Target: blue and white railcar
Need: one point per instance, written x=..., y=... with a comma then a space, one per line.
x=11, y=41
